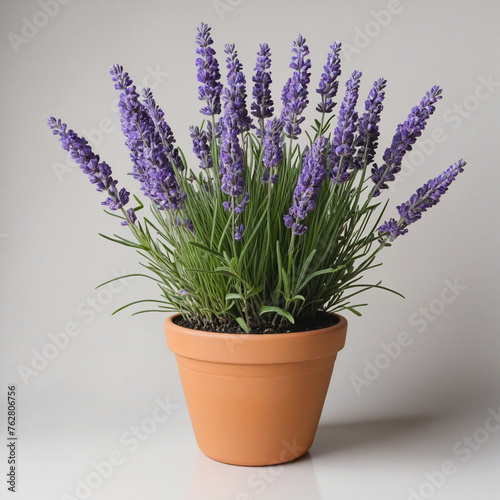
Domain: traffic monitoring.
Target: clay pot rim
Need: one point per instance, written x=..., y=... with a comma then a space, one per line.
x=247, y=348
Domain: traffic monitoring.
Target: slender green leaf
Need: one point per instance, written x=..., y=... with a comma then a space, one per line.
x=255, y=291
x=235, y=296
x=243, y=324
x=286, y=283
x=206, y=249
x=278, y=310
x=126, y=276
x=319, y=273
x=136, y=302
x=351, y=308
x=122, y=241
x=305, y=267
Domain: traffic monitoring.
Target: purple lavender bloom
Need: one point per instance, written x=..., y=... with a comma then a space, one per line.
x=234, y=96
x=99, y=173
x=406, y=135
x=314, y=172
x=328, y=84
x=368, y=124
x=391, y=229
x=218, y=131
x=238, y=232
x=134, y=120
x=294, y=94
x=132, y=217
x=426, y=197
x=341, y=154
x=187, y=223
x=201, y=147
x=208, y=72
x=238, y=209
x=151, y=143
x=163, y=136
x=263, y=106
x=182, y=292
x=273, y=149
x=231, y=161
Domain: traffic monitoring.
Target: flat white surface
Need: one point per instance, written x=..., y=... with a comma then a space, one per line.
x=379, y=440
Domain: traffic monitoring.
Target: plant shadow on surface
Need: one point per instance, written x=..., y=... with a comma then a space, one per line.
x=405, y=432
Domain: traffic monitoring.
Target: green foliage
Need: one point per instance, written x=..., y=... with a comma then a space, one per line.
x=270, y=277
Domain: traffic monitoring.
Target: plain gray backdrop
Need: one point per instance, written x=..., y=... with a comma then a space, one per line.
x=101, y=413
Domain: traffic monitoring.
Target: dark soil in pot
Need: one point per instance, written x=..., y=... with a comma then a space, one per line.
x=305, y=324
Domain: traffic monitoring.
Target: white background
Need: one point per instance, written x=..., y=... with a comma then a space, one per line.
x=379, y=440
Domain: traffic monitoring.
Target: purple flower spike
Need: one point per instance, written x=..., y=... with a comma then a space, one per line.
x=218, y=131
x=132, y=217
x=341, y=155
x=238, y=209
x=201, y=147
x=208, y=72
x=306, y=192
x=426, y=197
x=234, y=96
x=328, y=84
x=368, y=124
x=231, y=161
x=99, y=173
x=134, y=120
x=273, y=149
x=238, y=232
x=263, y=106
x=406, y=135
x=294, y=94
x=163, y=137
x=151, y=143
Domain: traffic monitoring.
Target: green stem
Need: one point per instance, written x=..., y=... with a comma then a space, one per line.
x=290, y=154
x=262, y=130
x=322, y=122
x=216, y=183
x=290, y=253
x=233, y=219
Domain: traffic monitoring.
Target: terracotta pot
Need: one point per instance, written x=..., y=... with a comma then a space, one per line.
x=255, y=399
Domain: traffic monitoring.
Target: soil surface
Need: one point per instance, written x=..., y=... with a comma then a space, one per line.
x=319, y=321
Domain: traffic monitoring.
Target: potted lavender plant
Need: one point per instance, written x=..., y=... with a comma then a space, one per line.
x=261, y=247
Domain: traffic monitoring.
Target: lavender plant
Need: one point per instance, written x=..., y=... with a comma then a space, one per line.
x=263, y=231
